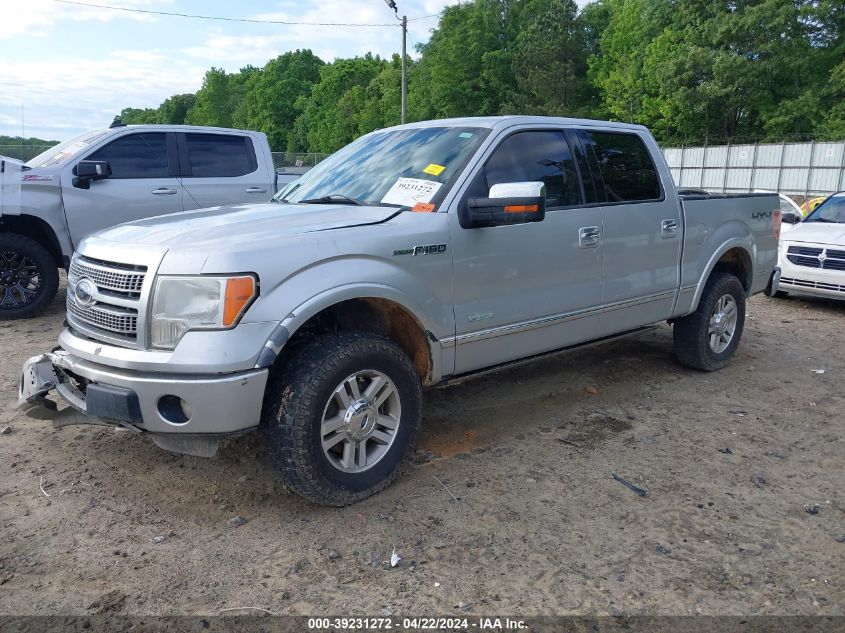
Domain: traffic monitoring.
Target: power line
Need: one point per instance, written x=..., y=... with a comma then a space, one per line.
x=221, y=18
x=424, y=17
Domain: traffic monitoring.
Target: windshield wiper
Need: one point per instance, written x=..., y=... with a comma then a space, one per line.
x=338, y=198
x=821, y=220
x=287, y=195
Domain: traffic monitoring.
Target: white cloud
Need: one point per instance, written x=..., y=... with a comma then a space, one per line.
x=35, y=18
x=62, y=99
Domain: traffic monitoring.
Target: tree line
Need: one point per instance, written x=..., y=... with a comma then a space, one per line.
x=691, y=70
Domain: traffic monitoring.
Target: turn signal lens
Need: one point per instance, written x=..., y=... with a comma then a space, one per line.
x=522, y=208
x=239, y=292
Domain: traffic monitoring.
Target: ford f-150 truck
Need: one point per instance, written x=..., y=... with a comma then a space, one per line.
x=105, y=177
x=417, y=255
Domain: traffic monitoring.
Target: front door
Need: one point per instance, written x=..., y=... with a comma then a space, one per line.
x=220, y=169
x=142, y=184
x=527, y=288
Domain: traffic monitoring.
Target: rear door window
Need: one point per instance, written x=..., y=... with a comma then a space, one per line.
x=141, y=155
x=219, y=155
x=626, y=167
x=537, y=156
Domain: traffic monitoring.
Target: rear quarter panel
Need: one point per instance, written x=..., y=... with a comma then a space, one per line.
x=713, y=226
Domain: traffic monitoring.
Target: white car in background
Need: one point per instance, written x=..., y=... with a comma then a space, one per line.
x=812, y=253
x=790, y=212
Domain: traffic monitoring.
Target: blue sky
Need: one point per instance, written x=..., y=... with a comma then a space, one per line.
x=72, y=68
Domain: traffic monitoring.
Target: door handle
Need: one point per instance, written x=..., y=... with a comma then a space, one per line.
x=589, y=236
x=255, y=190
x=669, y=228
x=163, y=191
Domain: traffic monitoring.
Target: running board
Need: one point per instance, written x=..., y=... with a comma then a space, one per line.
x=456, y=380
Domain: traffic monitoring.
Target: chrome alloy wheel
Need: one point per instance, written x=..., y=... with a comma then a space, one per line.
x=360, y=421
x=723, y=323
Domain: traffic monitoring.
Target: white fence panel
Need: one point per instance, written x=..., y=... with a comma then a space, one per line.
x=805, y=169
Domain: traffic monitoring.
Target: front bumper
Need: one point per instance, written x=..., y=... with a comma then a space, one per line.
x=183, y=404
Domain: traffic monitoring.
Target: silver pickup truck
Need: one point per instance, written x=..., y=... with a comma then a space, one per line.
x=104, y=177
x=417, y=255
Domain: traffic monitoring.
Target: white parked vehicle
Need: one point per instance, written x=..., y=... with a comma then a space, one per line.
x=790, y=212
x=812, y=253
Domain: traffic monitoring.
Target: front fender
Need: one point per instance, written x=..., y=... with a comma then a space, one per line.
x=422, y=291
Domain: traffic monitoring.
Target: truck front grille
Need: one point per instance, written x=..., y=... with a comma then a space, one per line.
x=814, y=257
x=113, y=316
x=107, y=277
x=121, y=322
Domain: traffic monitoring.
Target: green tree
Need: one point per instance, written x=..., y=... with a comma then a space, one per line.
x=217, y=100
x=173, y=110
x=467, y=63
x=271, y=100
x=339, y=103
x=136, y=116
x=549, y=62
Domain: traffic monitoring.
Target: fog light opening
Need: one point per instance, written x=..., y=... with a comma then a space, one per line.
x=174, y=409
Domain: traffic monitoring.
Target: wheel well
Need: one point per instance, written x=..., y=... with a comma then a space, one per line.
x=36, y=229
x=737, y=262
x=377, y=316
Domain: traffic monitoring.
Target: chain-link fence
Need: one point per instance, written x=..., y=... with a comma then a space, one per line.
x=297, y=160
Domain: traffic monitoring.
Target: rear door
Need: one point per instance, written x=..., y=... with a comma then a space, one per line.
x=220, y=169
x=143, y=184
x=523, y=289
x=642, y=230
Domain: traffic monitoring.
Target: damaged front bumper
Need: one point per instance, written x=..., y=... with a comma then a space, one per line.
x=185, y=413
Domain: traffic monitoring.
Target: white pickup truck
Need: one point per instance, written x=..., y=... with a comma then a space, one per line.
x=416, y=255
x=105, y=177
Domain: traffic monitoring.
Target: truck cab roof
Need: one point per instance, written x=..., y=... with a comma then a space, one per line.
x=507, y=121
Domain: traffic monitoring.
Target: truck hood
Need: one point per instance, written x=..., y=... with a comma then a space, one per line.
x=817, y=233
x=229, y=228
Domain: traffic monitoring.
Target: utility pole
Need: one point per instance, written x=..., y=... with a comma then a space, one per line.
x=404, y=69
x=404, y=21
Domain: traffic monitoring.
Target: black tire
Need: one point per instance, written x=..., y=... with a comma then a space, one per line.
x=29, y=278
x=297, y=398
x=692, y=333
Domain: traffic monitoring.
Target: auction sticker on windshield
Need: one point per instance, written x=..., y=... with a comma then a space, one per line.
x=410, y=191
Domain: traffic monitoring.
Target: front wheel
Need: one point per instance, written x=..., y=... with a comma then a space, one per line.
x=707, y=338
x=341, y=415
x=29, y=278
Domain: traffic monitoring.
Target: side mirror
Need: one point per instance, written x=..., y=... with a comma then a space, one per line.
x=507, y=203
x=790, y=218
x=87, y=171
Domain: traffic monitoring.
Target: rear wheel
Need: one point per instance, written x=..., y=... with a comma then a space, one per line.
x=341, y=415
x=707, y=338
x=29, y=278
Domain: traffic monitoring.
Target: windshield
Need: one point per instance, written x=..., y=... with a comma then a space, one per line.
x=831, y=210
x=411, y=168
x=61, y=152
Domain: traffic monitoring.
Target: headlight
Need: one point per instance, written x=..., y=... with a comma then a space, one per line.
x=182, y=304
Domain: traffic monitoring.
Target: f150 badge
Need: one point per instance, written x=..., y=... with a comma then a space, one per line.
x=429, y=249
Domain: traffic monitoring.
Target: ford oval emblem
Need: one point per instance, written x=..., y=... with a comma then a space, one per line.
x=84, y=293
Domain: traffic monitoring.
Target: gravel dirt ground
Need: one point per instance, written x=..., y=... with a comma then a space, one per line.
x=744, y=472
